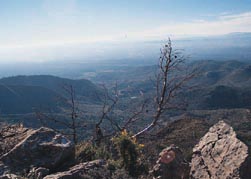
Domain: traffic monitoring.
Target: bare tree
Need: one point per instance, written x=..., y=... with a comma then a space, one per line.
x=110, y=100
x=170, y=78
x=74, y=124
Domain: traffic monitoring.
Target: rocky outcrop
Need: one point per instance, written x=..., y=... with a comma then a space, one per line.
x=171, y=164
x=11, y=135
x=41, y=148
x=219, y=154
x=82, y=170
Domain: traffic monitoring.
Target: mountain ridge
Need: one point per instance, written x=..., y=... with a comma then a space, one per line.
x=24, y=94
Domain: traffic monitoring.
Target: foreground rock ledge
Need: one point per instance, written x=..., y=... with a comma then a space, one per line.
x=41, y=148
x=219, y=154
x=80, y=170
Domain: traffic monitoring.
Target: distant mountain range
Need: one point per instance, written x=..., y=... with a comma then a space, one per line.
x=23, y=94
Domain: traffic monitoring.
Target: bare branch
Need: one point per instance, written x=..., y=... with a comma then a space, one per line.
x=168, y=83
x=135, y=115
x=109, y=103
x=107, y=108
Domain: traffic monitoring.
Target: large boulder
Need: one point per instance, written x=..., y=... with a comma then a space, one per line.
x=92, y=169
x=41, y=148
x=219, y=154
x=171, y=164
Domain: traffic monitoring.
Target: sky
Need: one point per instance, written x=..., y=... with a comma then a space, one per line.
x=35, y=27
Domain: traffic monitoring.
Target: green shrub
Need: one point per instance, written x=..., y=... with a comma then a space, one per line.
x=129, y=151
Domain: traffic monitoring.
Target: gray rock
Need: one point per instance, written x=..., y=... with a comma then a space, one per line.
x=41, y=148
x=219, y=154
x=81, y=171
x=10, y=136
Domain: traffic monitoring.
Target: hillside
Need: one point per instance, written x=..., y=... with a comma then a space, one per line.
x=24, y=94
x=221, y=84
x=26, y=99
x=84, y=88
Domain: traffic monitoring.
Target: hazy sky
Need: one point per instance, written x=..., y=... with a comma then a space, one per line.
x=35, y=26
